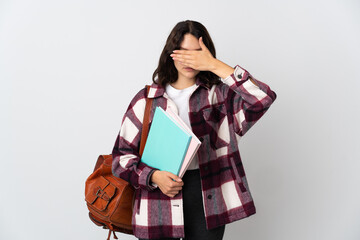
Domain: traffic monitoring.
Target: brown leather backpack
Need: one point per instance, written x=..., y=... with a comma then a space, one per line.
x=110, y=199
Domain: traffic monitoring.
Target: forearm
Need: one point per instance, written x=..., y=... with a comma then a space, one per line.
x=248, y=101
x=220, y=68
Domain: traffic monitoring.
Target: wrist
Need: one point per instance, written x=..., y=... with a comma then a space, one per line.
x=214, y=65
x=153, y=177
x=221, y=69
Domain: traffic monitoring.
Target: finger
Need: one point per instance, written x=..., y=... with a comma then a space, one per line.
x=170, y=192
x=181, y=56
x=202, y=44
x=174, y=184
x=188, y=54
x=174, y=192
x=184, y=52
x=173, y=176
x=189, y=63
x=185, y=61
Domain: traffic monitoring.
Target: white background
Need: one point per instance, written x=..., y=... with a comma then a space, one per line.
x=68, y=70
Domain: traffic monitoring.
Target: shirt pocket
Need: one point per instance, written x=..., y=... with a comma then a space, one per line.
x=217, y=125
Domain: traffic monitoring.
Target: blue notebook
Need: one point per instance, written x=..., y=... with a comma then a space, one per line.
x=166, y=144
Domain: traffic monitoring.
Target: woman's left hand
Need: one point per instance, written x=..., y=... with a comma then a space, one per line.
x=201, y=60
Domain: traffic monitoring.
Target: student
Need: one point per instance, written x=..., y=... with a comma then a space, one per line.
x=220, y=103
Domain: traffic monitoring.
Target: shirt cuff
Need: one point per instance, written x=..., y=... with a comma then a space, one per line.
x=151, y=184
x=145, y=176
x=238, y=77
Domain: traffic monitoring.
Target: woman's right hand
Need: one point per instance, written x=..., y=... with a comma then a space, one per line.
x=166, y=183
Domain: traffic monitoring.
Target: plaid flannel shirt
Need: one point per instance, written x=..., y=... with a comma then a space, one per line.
x=219, y=117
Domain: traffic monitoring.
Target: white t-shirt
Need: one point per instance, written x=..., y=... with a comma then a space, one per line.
x=181, y=99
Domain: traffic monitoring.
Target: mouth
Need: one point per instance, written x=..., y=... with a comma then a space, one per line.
x=189, y=69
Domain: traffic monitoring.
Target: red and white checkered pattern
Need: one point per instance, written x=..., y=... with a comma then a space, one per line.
x=219, y=116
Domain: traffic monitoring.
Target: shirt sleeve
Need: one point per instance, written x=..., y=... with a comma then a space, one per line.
x=126, y=162
x=248, y=101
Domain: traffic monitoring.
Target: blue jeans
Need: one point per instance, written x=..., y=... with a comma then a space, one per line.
x=194, y=218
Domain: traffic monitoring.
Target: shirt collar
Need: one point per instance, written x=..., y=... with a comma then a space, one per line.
x=157, y=90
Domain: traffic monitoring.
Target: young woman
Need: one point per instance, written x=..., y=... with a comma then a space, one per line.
x=220, y=104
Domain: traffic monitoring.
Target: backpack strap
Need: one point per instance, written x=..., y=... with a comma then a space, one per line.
x=146, y=120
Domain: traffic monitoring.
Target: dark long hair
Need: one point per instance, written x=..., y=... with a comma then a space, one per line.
x=166, y=71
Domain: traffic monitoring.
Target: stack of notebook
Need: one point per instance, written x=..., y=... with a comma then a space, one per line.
x=171, y=145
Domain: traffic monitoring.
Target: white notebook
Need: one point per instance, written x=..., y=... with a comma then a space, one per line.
x=193, y=146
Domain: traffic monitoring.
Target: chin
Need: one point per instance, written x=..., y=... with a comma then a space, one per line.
x=190, y=74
